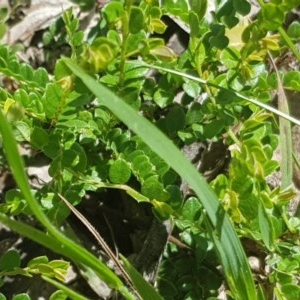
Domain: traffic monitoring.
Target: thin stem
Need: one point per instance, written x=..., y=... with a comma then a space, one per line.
x=125, y=35
x=233, y=136
x=239, y=95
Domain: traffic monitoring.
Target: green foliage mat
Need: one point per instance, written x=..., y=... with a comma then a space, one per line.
x=116, y=114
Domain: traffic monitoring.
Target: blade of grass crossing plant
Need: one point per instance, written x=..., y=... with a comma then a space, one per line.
x=75, y=252
x=233, y=258
x=226, y=256
x=260, y=293
x=239, y=95
x=143, y=287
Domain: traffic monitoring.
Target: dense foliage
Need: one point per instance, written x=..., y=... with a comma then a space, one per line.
x=112, y=115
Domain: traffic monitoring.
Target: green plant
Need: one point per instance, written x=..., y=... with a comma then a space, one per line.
x=127, y=139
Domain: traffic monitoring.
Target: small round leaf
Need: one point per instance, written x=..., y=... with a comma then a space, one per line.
x=10, y=260
x=119, y=171
x=273, y=16
x=294, y=30
x=137, y=20
x=154, y=189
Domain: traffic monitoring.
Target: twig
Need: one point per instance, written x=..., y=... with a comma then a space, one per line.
x=101, y=242
x=178, y=243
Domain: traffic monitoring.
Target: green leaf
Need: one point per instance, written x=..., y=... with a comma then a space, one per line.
x=26, y=72
x=231, y=254
x=52, y=148
x=60, y=70
x=167, y=288
x=142, y=166
x=155, y=12
x=137, y=196
x=78, y=38
x=113, y=11
x=291, y=291
x=227, y=97
x=58, y=295
x=158, y=26
x=266, y=227
x=45, y=269
x=175, y=120
x=163, y=98
x=176, y=198
x=4, y=14
x=291, y=80
x=242, y=7
x=164, y=53
x=14, y=110
x=136, y=20
x=230, y=57
x=194, y=25
x=162, y=210
x=33, y=263
x=213, y=128
x=22, y=97
x=100, y=54
x=194, y=114
x=219, y=42
x=59, y=264
x=192, y=89
x=10, y=260
x=136, y=41
x=145, y=290
x=69, y=158
x=294, y=30
x=273, y=16
x=191, y=209
x=80, y=162
x=21, y=131
x=52, y=98
x=41, y=77
x=154, y=189
x=39, y=137
x=2, y=297
x=119, y=171
x=15, y=201
x=199, y=7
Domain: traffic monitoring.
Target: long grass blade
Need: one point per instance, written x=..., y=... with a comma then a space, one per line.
x=228, y=246
x=146, y=290
x=239, y=95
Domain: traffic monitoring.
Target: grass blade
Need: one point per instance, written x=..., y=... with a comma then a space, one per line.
x=145, y=290
x=239, y=95
x=229, y=249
